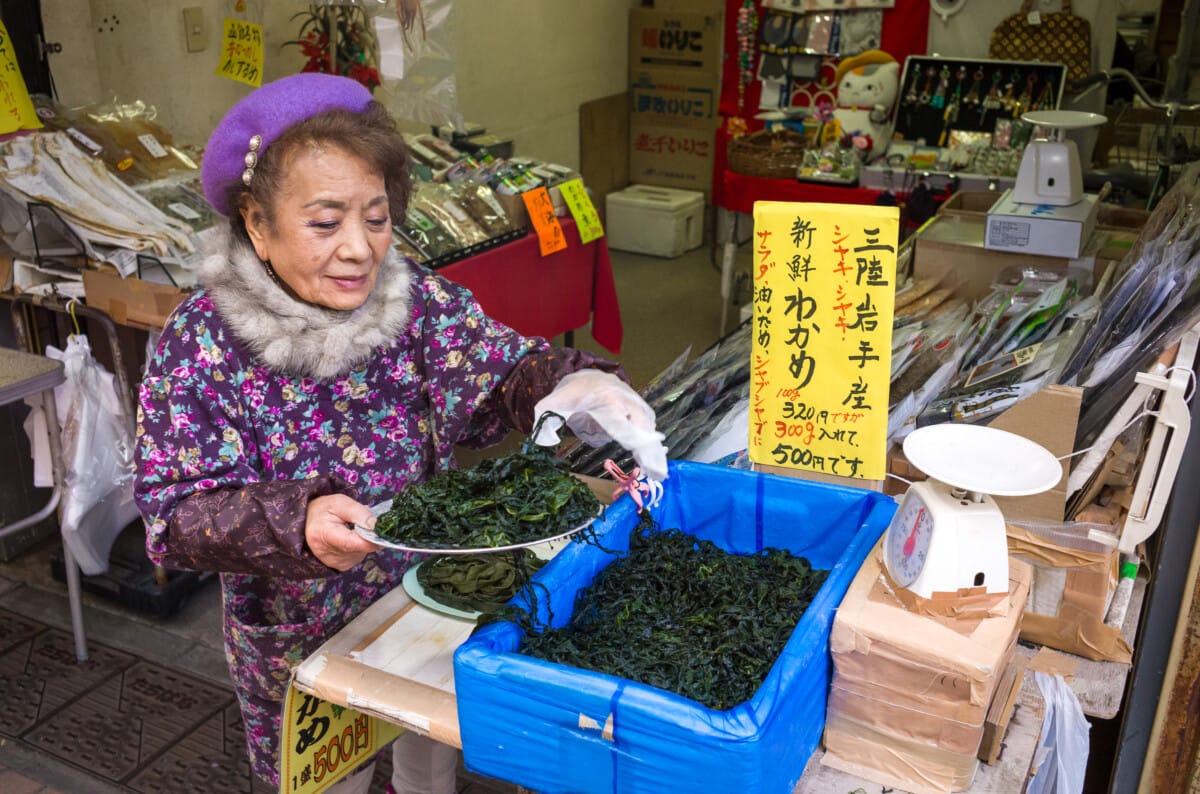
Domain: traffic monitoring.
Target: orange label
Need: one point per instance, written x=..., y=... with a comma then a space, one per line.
x=125, y=164
x=541, y=214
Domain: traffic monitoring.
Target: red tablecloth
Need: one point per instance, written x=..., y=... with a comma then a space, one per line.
x=546, y=296
x=741, y=191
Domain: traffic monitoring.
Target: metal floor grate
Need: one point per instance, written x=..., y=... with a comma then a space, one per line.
x=117, y=717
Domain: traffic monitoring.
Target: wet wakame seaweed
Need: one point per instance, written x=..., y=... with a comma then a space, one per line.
x=682, y=615
x=519, y=498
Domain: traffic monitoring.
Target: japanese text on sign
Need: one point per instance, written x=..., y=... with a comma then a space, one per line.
x=322, y=742
x=582, y=210
x=673, y=101
x=242, y=52
x=541, y=215
x=684, y=143
x=824, y=292
x=16, y=109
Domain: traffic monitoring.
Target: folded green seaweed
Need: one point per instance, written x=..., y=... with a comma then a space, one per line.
x=477, y=582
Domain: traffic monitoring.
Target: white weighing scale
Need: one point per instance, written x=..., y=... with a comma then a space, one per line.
x=1049, y=172
x=947, y=540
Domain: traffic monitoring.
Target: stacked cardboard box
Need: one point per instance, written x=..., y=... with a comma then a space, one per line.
x=674, y=87
x=910, y=692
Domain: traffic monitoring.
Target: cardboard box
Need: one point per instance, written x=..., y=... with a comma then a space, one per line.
x=951, y=248
x=1073, y=580
x=910, y=693
x=1041, y=229
x=669, y=156
x=674, y=97
x=675, y=40
x=6, y=267
x=131, y=301
x=976, y=203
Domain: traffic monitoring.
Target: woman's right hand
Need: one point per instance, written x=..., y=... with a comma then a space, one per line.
x=328, y=536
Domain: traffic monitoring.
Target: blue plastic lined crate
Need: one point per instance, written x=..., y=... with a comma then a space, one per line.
x=555, y=728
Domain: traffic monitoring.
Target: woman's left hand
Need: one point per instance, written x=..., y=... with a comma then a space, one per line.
x=328, y=536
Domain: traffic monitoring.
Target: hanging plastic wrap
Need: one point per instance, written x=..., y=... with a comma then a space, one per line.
x=416, y=44
x=97, y=454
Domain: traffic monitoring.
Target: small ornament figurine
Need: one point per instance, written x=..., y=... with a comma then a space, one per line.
x=866, y=88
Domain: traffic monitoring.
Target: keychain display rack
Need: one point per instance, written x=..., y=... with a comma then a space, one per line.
x=938, y=96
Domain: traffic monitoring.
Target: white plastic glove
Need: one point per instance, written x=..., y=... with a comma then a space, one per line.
x=599, y=407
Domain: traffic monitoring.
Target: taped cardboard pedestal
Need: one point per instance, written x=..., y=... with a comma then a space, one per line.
x=910, y=693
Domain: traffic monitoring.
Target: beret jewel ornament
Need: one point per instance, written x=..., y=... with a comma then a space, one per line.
x=241, y=137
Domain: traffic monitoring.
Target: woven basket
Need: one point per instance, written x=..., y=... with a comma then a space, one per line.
x=774, y=153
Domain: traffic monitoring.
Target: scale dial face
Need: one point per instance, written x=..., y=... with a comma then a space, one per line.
x=906, y=547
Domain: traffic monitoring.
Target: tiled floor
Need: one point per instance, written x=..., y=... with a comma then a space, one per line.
x=667, y=305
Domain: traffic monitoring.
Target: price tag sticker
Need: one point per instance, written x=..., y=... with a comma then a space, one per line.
x=541, y=214
x=152, y=145
x=582, y=210
x=323, y=742
x=242, y=52
x=16, y=109
x=183, y=211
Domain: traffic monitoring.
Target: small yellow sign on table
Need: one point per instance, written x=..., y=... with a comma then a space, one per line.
x=582, y=210
x=824, y=293
x=16, y=109
x=242, y=52
x=323, y=742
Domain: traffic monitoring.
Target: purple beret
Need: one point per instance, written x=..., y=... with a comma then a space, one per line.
x=266, y=113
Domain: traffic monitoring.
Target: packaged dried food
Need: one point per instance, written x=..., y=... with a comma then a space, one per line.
x=437, y=201
x=91, y=137
x=132, y=125
x=484, y=208
x=424, y=234
x=176, y=200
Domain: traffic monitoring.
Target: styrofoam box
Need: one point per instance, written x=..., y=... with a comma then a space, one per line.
x=659, y=221
x=556, y=729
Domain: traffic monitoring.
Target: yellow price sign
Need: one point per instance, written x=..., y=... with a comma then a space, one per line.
x=541, y=214
x=824, y=295
x=16, y=109
x=242, y=52
x=323, y=742
x=582, y=210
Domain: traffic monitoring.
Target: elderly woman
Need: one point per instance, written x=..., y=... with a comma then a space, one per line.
x=315, y=373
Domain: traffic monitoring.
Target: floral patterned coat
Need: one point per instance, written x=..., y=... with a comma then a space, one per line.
x=255, y=403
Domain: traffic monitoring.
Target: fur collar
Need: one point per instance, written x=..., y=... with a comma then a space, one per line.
x=290, y=337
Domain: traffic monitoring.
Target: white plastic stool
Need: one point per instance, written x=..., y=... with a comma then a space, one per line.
x=25, y=375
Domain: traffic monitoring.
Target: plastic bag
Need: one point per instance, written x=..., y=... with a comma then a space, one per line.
x=418, y=76
x=97, y=456
x=600, y=408
x=1064, y=746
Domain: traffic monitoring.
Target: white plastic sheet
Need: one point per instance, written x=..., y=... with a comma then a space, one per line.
x=427, y=91
x=1064, y=745
x=97, y=455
